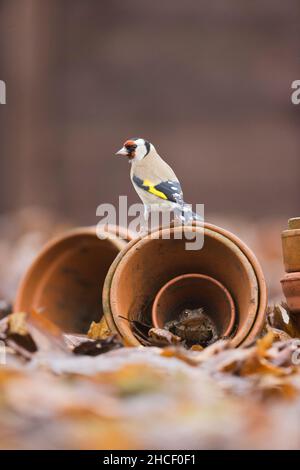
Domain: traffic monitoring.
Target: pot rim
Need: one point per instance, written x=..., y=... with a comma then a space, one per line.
x=290, y=232
x=294, y=223
x=291, y=277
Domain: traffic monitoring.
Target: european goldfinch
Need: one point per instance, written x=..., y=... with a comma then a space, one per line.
x=155, y=181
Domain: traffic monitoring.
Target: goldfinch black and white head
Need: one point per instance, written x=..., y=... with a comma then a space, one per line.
x=135, y=149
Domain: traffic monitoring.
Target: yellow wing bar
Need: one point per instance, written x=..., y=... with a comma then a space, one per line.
x=152, y=189
x=167, y=190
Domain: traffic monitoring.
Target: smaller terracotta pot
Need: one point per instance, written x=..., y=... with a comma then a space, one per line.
x=291, y=246
x=291, y=289
x=191, y=291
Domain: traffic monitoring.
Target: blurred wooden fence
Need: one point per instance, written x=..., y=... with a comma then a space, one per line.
x=208, y=82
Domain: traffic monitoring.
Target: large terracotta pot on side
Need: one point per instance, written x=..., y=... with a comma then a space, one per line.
x=64, y=282
x=148, y=263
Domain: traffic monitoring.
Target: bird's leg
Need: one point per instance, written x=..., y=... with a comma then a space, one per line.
x=179, y=215
x=184, y=214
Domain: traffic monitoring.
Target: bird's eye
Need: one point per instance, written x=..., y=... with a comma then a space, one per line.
x=131, y=148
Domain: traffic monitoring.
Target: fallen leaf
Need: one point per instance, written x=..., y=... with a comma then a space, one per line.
x=27, y=333
x=279, y=317
x=17, y=324
x=100, y=346
x=279, y=335
x=140, y=330
x=47, y=335
x=99, y=330
x=73, y=340
x=163, y=336
x=190, y=357
x=17, y=335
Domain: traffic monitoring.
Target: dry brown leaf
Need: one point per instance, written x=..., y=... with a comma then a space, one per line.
x=99, y=330
x=133, y=379
x=27, y=333
x=196, y=347
x=257, y=362
x=276, y=387
x=193, y=358
x=17, y=324
x=284, y=353
x=47, y=335
x=165, y=336
x=279, y=335
x=99, y=346
x=279, y=317
x=264, y=343
x=17, y=335
x=73, y=340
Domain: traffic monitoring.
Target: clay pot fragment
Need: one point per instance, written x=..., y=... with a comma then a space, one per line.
x=147, y=264
x=65, y=281
x=291, y=246
x=291, y=257
x=291, y=289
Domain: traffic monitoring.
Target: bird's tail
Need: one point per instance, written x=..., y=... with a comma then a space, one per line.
x=185, y=214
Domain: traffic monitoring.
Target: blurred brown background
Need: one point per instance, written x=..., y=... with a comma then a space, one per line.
x=207, y=82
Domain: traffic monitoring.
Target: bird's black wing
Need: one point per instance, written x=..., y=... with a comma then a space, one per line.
x=167, y=190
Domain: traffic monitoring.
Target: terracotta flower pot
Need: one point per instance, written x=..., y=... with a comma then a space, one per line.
x=192, y=291
x=148, y=263
x=291, y=246
x=64, y=282
x=291, y=289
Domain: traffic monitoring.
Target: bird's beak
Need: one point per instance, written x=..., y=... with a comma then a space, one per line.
x=123, y=151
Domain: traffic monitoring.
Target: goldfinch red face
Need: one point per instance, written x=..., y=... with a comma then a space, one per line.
x=135, y=149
